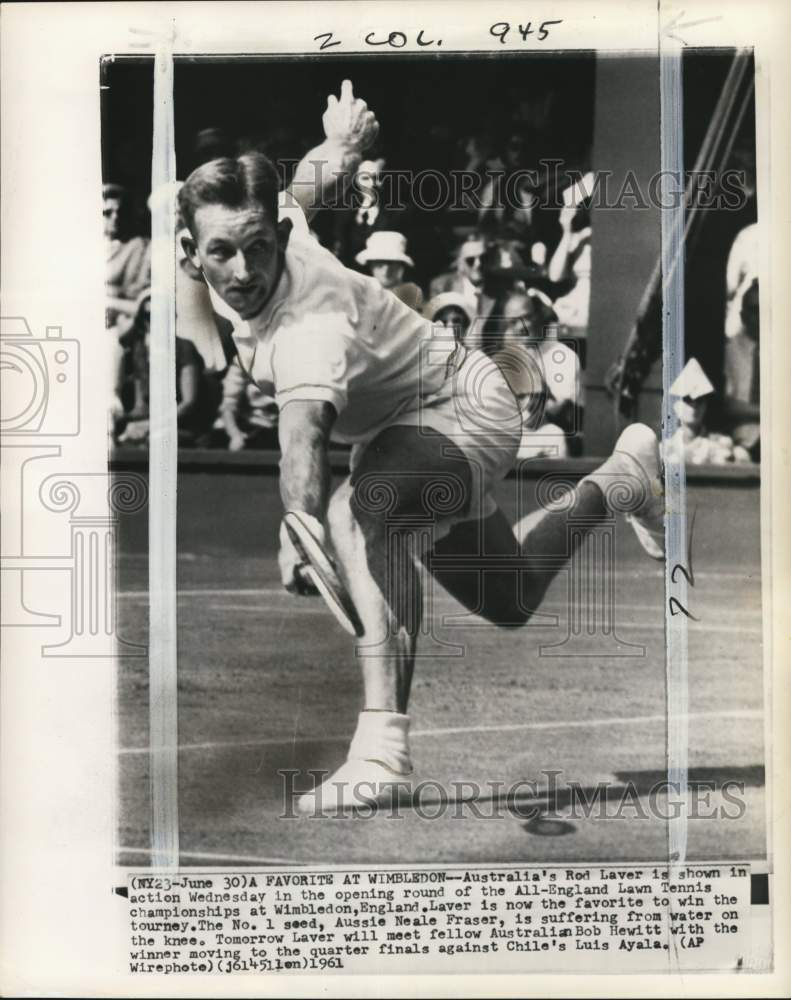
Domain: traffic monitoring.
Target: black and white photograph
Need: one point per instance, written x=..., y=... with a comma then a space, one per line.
x=438, y=352
x=425, y=588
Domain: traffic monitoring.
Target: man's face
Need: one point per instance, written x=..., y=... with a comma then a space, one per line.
x=111, y=214
x=367, y=178
x=238, y=250
x=470, y=264
x=388, y=273
x=521, y=316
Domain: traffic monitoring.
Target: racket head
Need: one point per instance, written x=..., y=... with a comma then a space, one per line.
x=323, y=573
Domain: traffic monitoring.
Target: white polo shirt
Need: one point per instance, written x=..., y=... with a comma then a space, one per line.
x=332, y=335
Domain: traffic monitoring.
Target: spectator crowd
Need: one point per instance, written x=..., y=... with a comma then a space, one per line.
x=515, y=283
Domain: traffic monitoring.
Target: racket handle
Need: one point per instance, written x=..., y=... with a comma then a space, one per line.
x=306, y=585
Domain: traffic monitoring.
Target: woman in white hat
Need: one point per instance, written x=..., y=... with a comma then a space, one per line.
x=451, y=310
x=386, y=260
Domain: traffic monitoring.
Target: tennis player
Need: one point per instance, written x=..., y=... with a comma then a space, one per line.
x=434, y=429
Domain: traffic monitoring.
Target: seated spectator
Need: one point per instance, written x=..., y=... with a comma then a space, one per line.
x=207, y=144
x=365, y=215
x=474, y=158
x=741, y=272
x=385, y=258
x=128, y=261
x=570, y=266
x=451, y=310
x=509, y=201
x=247, y=415
x=467, y=277
x=505, y=273
x=477, y=156
x=128, y=331
x=543, y=373
x=195, y=407
x=741, y=406
x=692, y=443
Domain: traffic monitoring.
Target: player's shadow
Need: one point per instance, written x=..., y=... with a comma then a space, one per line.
x=632, y=794
x=750, y=775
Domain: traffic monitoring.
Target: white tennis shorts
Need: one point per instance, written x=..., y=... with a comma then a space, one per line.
x=477, y=411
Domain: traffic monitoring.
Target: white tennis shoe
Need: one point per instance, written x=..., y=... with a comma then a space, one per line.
x=631, y=481
x=377, y=772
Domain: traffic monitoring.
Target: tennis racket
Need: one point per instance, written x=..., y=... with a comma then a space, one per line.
x=320, y=570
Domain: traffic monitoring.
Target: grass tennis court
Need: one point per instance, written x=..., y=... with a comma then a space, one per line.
x=268, y=682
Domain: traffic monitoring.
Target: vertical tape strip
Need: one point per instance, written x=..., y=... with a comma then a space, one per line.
x=163, y=462
x=672, y=224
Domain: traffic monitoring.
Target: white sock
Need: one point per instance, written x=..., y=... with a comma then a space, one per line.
x=377, y=762
x=382, y=737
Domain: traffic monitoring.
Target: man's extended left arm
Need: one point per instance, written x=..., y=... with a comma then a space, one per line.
x=350, y=128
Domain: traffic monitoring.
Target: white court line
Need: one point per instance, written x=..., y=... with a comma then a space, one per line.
x=233, y=858
x=459, y=730
x=303, y=609
x=646, y=573
x=291, y=602
x=283, y=609
x=711, y=575
x=444, y=604
x=695, y=627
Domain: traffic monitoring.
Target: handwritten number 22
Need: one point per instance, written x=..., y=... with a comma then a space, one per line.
x=674, y=604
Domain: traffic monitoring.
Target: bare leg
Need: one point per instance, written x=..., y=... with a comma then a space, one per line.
x=386, y=593
x=508, y=597
x=378, y=521
x=628, y=482
x=374, y=522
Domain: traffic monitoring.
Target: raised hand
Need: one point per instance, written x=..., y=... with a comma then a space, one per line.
x=348, y=120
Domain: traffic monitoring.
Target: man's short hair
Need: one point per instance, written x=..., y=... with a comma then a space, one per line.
x=117, y=191
x=231, y=181
x=473, y=245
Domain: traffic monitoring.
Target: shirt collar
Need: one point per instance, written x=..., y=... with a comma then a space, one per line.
x=258, y=327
